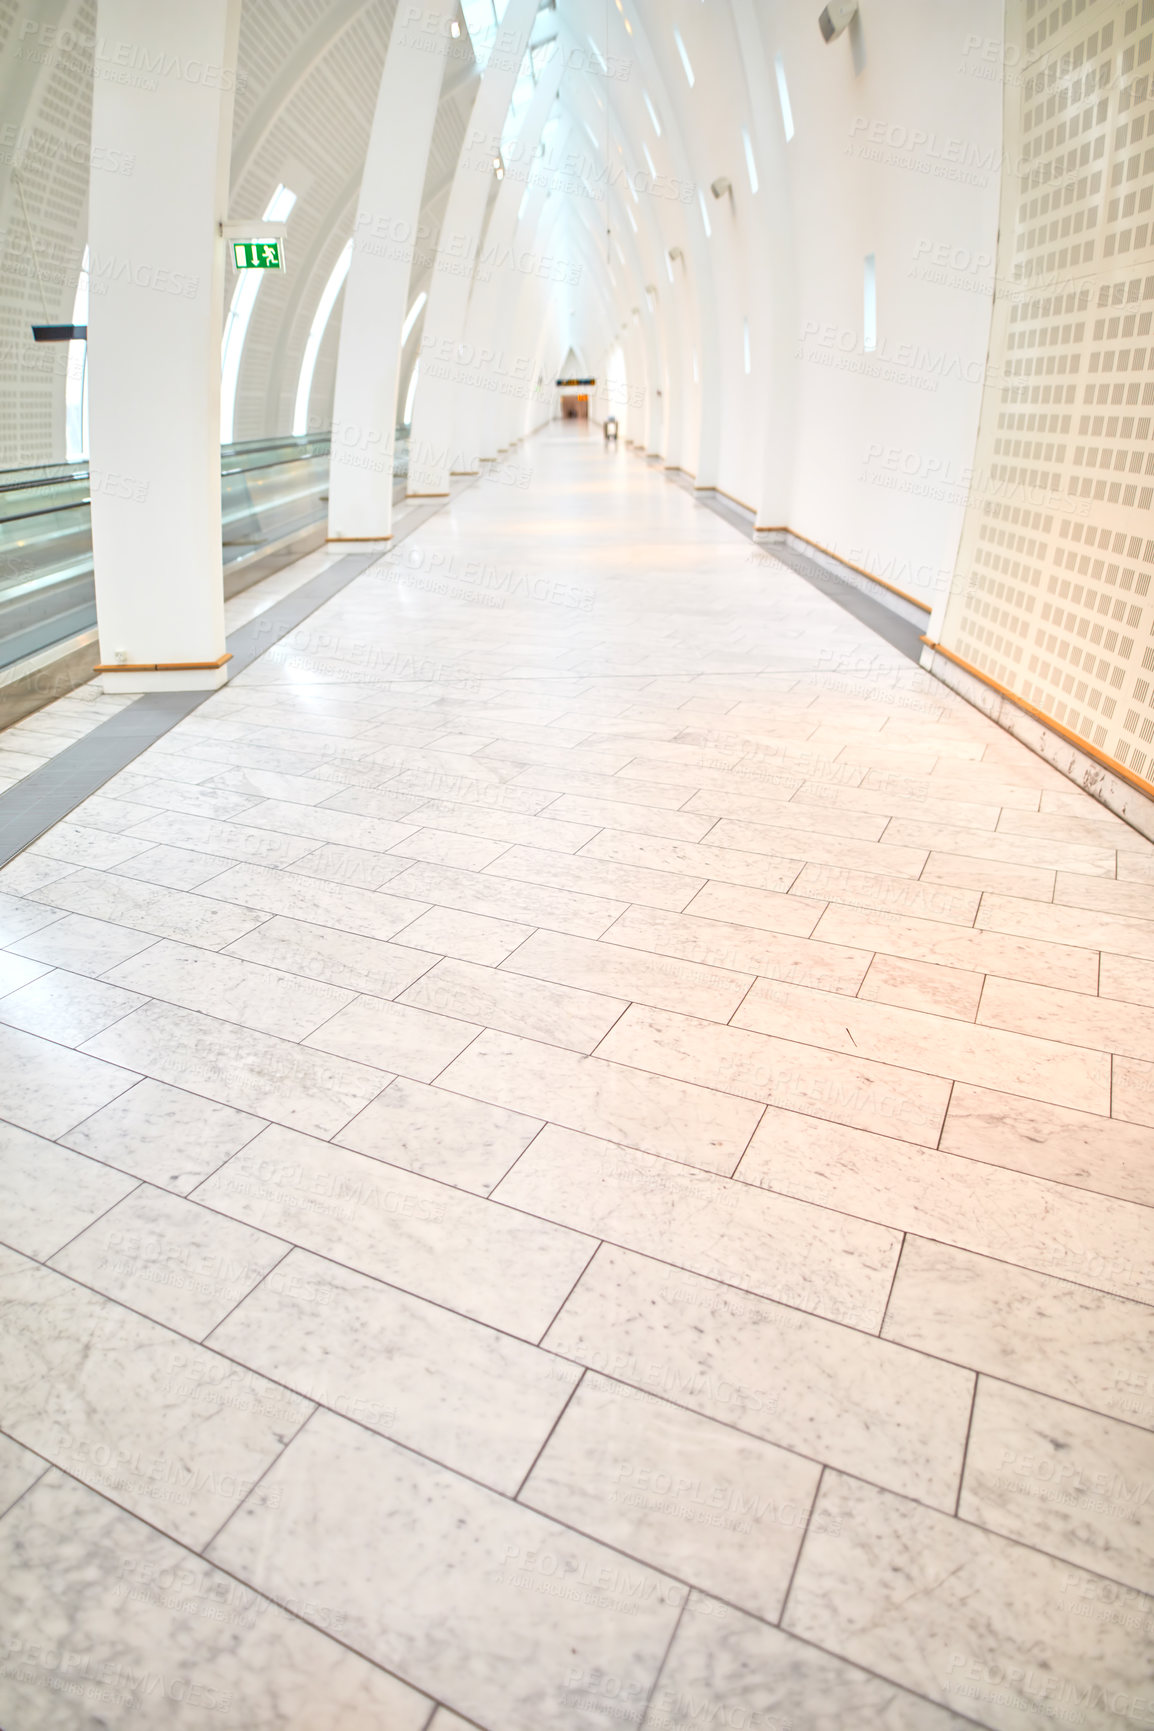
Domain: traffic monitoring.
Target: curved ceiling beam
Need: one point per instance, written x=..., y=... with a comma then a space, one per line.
x=291, y=75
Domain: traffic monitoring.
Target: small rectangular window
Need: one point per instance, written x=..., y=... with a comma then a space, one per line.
x=870, y=310
x=750, y=162
x=681, y=49
x=783, y=97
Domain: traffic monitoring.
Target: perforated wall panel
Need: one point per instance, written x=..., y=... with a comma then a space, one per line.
x=1051, y=598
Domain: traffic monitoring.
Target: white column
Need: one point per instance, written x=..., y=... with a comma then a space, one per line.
x=376, y=292
x=157, y=275
x=498, y=413
x=442, y=363
x=504, y=265
x=776, y=258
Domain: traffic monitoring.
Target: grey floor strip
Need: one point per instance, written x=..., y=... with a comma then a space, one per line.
x=900, y=633
x=47, y=796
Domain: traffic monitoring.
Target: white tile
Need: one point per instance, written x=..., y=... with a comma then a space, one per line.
x=19, y=1469
x=49, y=1194
x=218, y=836
x=720, y=944
x=526, y=904
x=780, y=841
x=162, y=1134
x=734, y=1669
x=559, y=1015
x=170, y=1259
x=444, y=847
x=596, y=877
x=768, y=910
x=1067, y=1481
x=165, y=913
x=469, y=1608
x=177, y=868
x=25, y=873
x=148, y=1635
x=991, y=1629
x=782, y=1072
x=164, y=1427
x=618, y=814
x=822, y=1390
x=67, y=1007
x=1010, y=849
x=366, y=912
x=838, y=820
x=697, y=1125
x=327, y=825
x=469, y=937
x=475, y=1400
x=258, y=997
x=346, y=959
x=928, y=900
x=487, y=1262
x=627, y=974
x=1052, y=1228
x=261, y=784
x=212, y=801
x=1039, y=1069
x=17, y=971
x=50, y=1088
x=1080, y=1148
x=440, y=1135
x=1069, y=1341
x=951, y=945
x=72, y=843
x=1069, y=925
x=254, y=1072
x=698, y=860
x=684, y=1493
x=101, y=810
x=802, y=1255
x=82, y=945
x=356, y=866
x=394, y=1037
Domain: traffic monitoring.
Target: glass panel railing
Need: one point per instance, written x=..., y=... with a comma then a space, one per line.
x=271, y=489
x=46, y=590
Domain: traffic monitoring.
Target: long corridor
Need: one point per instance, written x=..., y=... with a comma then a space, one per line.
x=578, y=1151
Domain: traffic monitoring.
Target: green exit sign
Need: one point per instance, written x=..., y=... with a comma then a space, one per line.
x=257, y=255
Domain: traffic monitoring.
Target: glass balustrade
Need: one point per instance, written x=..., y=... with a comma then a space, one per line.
x=271, y=490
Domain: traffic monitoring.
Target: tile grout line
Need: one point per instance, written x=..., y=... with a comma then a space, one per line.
x=966, y=1449
x=48, y=1261
x=439, y=1304
x=657, y=1675
x=801, y=1547
x=517, y=1494
x=893, y=1284
x=285, y=1446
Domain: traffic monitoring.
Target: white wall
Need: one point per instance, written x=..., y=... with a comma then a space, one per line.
x=897, y=151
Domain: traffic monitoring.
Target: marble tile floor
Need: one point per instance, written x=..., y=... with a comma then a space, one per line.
x=577, y=1151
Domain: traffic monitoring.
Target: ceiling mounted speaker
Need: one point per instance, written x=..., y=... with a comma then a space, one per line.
x=837, y=15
